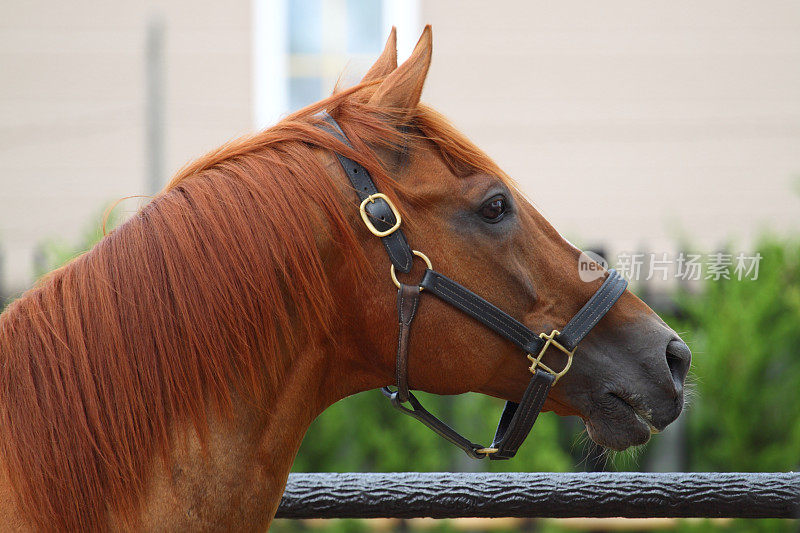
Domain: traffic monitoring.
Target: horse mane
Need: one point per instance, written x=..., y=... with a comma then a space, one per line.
x=201, y=296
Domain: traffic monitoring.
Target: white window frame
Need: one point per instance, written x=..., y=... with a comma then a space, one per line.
x=270, y=51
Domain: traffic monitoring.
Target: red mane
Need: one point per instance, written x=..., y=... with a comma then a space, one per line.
x=178, y=309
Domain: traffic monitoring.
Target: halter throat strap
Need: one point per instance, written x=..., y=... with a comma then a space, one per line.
x=517, y=419
x=383, y=220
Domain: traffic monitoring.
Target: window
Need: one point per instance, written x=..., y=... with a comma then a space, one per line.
x=301, y=47
x=324, y=36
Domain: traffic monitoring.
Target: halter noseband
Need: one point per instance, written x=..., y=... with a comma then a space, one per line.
x=383, y=220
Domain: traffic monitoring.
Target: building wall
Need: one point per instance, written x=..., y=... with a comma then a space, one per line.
x=72, y=108
x=629, y=124
x=632, y=123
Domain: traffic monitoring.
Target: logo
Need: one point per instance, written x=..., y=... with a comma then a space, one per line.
x=591, y=266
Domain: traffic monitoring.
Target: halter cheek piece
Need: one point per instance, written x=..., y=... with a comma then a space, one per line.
x=383, y=220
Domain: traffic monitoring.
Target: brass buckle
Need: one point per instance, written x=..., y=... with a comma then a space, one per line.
x=550, y=339
x=365, y=216
x=418, y=254
x=487, y=451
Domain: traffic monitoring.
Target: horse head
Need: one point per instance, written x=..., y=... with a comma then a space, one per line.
x=471, y=221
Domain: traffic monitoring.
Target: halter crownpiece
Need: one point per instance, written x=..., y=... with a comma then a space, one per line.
x=383, y=220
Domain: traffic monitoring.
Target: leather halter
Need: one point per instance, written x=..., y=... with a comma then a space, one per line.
x=383, y=220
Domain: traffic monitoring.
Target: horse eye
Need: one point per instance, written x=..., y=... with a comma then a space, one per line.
x=494, y=209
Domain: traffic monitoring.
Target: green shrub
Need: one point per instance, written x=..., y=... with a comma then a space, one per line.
x=53, y=253
x=365, y=433
x=745, y=337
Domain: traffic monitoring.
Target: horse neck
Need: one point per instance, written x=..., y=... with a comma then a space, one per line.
x=147, y=324
x=329, y=363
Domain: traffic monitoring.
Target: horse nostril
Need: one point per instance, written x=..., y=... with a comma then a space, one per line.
x=679, y=357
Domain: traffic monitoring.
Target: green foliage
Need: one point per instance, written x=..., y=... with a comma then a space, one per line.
x=745, y=336
x=365, y=433
x=53, y=253
x=745, y=339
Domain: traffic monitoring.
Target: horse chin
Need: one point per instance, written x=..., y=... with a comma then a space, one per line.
x=618, y=425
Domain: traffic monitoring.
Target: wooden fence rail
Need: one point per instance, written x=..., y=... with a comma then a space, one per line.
x=528, y=495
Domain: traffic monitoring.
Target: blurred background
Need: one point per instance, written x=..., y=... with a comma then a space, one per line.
x=635, y=127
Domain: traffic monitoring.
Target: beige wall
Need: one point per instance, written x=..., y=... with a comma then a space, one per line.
x=632, y=123
x=629, y=123
x=72, y=99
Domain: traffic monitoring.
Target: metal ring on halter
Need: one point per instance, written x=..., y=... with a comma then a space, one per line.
x=421, y=256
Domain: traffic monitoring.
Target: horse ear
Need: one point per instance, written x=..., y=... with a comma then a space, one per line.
x=387, y=62
x=402, y=88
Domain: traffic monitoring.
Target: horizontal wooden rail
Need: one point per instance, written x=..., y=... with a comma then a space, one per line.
x=527, y=495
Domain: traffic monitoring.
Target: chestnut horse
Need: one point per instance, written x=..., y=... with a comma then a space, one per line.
x=164, y=380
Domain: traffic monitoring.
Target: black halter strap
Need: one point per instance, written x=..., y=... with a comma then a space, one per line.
x=517, y=419
x=376, y=206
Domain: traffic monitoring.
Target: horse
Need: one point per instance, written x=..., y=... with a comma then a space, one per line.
x=165, y=379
